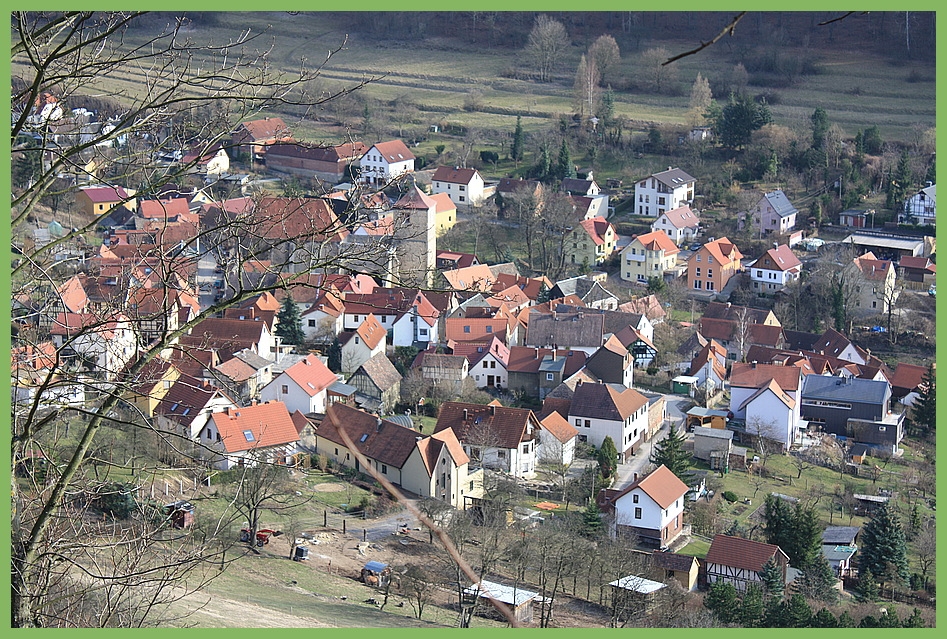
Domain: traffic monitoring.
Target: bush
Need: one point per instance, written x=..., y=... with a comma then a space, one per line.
x=730, y=496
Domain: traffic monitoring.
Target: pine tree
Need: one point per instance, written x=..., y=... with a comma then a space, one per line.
x=516, y=150
x=607, y=457
x=289, y=323
x=924, y=410
x=914, y=621
x=883, y=549
x=867, y=586
x=543, y=169
x=752, y=607
x=772, y=578
x=818, y=581
x=592, y=520
x=723, y=602
x=798, y=612
x=845, y=620
x=564, y=166
x=334, y=356
x=824, y=619
x=670, y=452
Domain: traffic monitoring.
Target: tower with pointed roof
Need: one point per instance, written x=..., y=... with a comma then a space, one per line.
x=415, y=238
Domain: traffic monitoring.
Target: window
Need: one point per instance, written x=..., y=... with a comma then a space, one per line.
x=710, y=259
x=284, y=388
x=697, y=284
x=549, y=377
x=463, y=188
x=485, y=364
x=384, y=469
x=637, y=513
x=710, y=285
x=501, y=454
x=248, y=435
x=661, y=200
x=312, y=323
x=697, y=272
x=461, y=198
x=588, y=423
x=710, y=272
x=424, y=332
x=336, y=452
x=466, y=329
x=634, y=499
x=355, y=319
x=489, y=329
x=384, y=319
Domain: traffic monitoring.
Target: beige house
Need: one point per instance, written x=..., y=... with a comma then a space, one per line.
x=648, y=255
x=874, y=282
x=591, y=242
x=434, y=466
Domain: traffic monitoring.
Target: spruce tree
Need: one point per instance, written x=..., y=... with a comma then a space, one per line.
x=883, y=549
x=824, y=619
x=752, y=606
x=818, y=581
x=516, y=150
x=924, y=410
x=592, y=520
x=670, y=452
x=334, y=356
x=723, y=602
x=771, y=576
x=564, y=166
x=845, y=620
x=867, y=586
x=288, y=322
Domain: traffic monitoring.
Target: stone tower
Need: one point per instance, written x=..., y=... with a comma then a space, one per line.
x=415, y=240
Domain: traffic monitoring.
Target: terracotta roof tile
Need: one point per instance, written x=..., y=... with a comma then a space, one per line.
x=740, y=553
x=255, y=427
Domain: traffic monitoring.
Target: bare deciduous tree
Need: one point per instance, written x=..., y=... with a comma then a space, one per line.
x=545, y=44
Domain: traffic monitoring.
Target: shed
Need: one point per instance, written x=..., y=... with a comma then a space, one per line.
x=684, y=385
x=519, y=600
x=713, y=445
x=700, y=416
x=180, y=513
x=637, y=592
x=375, y=573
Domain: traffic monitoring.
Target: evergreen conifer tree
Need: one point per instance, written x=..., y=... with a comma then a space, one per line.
x=564, y=166
x=772, y=577
x=924, y=410
x=824, y=619
x=607, y=457
x=752, y=606
x=334, y=356
x=516, y=150
x=592, y=520
x=670, y=452
x=722, y=600
x=288, y=322
x=883, y=549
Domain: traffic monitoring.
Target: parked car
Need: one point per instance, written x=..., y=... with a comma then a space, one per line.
x=932, y=291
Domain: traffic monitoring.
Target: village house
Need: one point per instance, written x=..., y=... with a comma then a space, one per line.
x=377, y=383
x=363, y=343
x=646, y=256
x=612, y=363
x=573, y=331
x=464, y=186
x=494, y=436
x=251, y=435
x=664, y=191
x=739, y=561
x=406, y=313
x=327, y=163
x=610, y=410
x=445, y=214
x=774, y=270
x=766, y=399
x=593, y=242
x=921, y=208
x=917, y=272
x=487, y=362
x=303, y=386
x=589, y=291
x=250, y=139
x=856, y=409
x=839, y=547
x=506, y=188
x=97, y=201
x=243, y=375
x=650, y=508
x=711, y=266
x=681, y=225
x=187, y=406
x=681, y=568
x=773, y=213
x=443, y=370
x=535, y=372
x=875, y=284
x=107, y=343
x=435, y=466
x=557, y=440
x=709, y=366
x=385, y=162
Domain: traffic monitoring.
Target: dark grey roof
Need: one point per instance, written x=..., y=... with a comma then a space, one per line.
x=250, y=358
x=582, y=287
x=840, y=535
x=576, y=186
x=614, y=320
x=800, y=340
x=839, y=389
x=570, y=330
x=780, y=203
x=674, y=177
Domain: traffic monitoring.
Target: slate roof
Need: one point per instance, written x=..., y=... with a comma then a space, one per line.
x=740, y=553
x=528, y=359
x=268, y=425
x=569, y=330
x=587, y=290
x=780, y=203
x=839, y=389
x=186, y=398
x=800, y=340
x=507, y=425
x=384, y=441
x=840, y=535
x=732, y=312
x=605, y=401
x=381, y=371
x=576, y=186
x=673, y=178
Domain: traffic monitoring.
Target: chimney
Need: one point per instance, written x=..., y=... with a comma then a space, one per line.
x=466, y=413
x=754, y=363
x=634, y=477
x=378, y=424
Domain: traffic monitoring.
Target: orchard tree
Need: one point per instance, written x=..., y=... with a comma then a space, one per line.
x=604, y=53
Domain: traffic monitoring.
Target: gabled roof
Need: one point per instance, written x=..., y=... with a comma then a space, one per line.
x=311, y=375
x=265, y=129
x=749, y=375
x=396, y=301
x=576, y=186
x=105, y=194
x=527, y=359
x=606, y=401
x=474, y=329
x=415, y=198
x=919, y=263
x=672, y=561
x=559, y=427
x=186, y=398
x=477, y=277
x=461, y=260
x=507, y=427
x=908, y=377
x=682, y=217
x=454, y=175
x=873, y=269
x=740, y=553
x=509, y=185
x=780, y=258
x=661, y=485
x=723, y=251
x=300, y=219
x=318, y=152
x=597, y=228
x=443, y=362
x=770, y=387
x=432, y=446
x=255, y=427
x=376, y=438
x=443, y=203
x=476, y=351
x=371, y=331
x=831, y=343
x=73, y=295
x=393, y=151
x=780, y=203
x=380, y=370
x=845, y=389
x=733, y=312
x=657, y=241
x=718, y=329
x=649, y=306
x=568, y=330
x=764, y=335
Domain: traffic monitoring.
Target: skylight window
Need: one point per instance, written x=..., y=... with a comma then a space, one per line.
x=249, y=435
x=174, y=407
x=363, y=438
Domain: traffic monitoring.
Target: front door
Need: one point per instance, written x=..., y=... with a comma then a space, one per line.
x=491, y=380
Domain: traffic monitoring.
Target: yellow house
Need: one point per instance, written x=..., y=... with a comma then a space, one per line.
x=433, y=466
x=445, y=213
x=154, y=381
x=648, y=255
x=591, y=242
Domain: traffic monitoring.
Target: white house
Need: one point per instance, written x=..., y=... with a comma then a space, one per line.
x=488, y=362
x=557, y=440
x=766, y=397
x=463, y=186
x=681, y=224
x=739, y=561
x=361, y=344
x=108, y=343
x=250, y=435
x=406, y=313
x=774, y=213
x=651, y=508
x=921, y=208
x=774, y=270
x=303, y=386
x=187, y=406
x=610, y=410
x=664, y=191
x=384, y=162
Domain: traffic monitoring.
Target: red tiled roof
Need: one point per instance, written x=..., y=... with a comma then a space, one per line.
x=266, y=129
x=255, y=427
x=780, y=258
x=723, y=251
x=602, y=401
x=454, y=175
x=311, y=375
x=871, y=268
x=597, y=228
x=394, y=151
x=163, y=209
x=908, y=377
x=740, y=553
x=442, y=203
x=658, y=241
x=682, y=217
x=749, y=375
x=303, y=219
x=371, y=331
x=774, y=388
x=507, y=426
x=559, y=427
x=105, y=194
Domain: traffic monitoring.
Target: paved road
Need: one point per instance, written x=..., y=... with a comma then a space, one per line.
x=639, y=463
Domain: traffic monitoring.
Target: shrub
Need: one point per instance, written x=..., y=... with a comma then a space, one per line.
x=730, y=496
